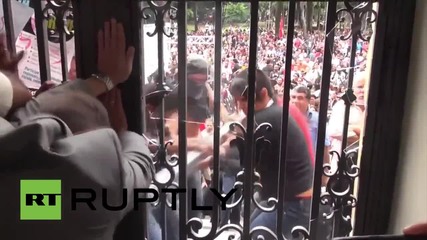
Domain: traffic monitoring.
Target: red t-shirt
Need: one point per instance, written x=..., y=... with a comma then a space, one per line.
x=301, y=120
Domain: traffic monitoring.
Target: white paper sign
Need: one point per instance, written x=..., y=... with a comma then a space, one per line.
x=28, y=68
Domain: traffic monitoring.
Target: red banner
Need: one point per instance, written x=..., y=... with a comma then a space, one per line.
x=282, y=25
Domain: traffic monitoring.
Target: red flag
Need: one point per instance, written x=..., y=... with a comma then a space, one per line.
x=282, y=23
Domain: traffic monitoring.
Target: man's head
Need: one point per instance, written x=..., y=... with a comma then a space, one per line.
x=80, y=111
x=197, y=70
x=359, y=88
x=263, y=90
x=197, y=109
x=300, y=97
x=209, y=125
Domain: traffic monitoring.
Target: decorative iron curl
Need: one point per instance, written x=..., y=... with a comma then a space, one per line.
x=301, y=233
x=159, y=12
x=239, y=186
x=167, y=165
x=338, y=193
x=357, y=14
x=262, y=233
x=195, y=224
x=232, y=235
x=262, y=145
x=168, y=197
x=59, y=9
x=155, y=187
x=193, y=227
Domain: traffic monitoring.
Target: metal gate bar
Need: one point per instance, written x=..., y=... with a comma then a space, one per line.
x=285, y=118
x=8, y=23
x=42, y=40
x=182, y=111
x=324, y=98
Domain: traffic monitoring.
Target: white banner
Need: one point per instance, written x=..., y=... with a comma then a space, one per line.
x=25, y=32
x=29, y=70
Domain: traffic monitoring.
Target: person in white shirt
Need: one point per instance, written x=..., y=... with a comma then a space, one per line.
x=336, y=122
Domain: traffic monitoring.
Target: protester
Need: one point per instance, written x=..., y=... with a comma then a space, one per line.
x=299, y=169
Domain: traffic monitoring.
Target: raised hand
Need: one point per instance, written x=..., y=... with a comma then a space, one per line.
x=114, y=60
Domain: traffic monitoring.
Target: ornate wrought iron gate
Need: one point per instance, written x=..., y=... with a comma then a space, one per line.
x=339, y=190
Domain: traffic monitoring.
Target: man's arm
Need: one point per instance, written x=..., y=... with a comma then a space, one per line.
x=91, y=86
x=193, y=144
x=137, y=165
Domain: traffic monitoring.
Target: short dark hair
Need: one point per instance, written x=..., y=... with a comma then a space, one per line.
x=239, y=84
x=303, y=89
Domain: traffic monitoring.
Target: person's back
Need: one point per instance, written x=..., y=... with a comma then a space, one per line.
x=43, y=147
x=298, y=160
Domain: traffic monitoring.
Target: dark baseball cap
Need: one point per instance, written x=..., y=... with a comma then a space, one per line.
x=197, y=108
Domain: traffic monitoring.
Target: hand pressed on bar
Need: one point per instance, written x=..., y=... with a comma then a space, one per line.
x=114, y=60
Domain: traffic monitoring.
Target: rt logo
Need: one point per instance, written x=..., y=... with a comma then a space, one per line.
x=40, y=200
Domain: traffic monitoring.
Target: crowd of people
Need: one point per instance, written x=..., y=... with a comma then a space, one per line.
x=78, y=132
x=307, y=58
x=306, y=71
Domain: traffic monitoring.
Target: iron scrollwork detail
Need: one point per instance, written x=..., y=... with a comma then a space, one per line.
x=159, y=10
x=339, y=189
x=359, y=15
x=59, y=15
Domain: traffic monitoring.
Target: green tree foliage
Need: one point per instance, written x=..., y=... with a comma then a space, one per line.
x=236, y=12
x=190, y=14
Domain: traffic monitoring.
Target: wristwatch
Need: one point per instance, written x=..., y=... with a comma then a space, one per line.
x=105, y=79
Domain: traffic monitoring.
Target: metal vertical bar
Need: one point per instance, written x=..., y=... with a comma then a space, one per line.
x=249, y=138
x=342, y=164
x=140, y=29
x=42, y=41
x=8, y=23
x=77, y=37
x=285, y=119
x=324, y=99
x=60, y=27
x=182, y=111
x=347, y=107
x=160, y=86
x=217, y=103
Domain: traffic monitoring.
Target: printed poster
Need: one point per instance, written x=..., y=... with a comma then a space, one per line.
x=29, y=70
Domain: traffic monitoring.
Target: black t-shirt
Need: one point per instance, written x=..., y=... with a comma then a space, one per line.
x=299, y=169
